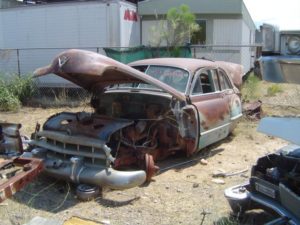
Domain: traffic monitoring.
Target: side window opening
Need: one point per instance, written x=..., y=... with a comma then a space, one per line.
x=205, y=82
x=197, y=87
x=224, y=82
x=141, y=68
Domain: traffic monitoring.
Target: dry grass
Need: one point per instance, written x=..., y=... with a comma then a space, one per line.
x=176, y=196
x=181, y=195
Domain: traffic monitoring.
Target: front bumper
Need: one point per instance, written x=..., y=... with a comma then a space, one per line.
x=76, y=170
x=241, y=200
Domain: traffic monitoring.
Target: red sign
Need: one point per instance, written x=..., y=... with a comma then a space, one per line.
x=130, y=15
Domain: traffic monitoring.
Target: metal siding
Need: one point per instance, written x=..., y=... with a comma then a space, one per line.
x=113, y=30
x=151, y=7
x=56, y=26
x=8, y=62
x=246, y=52
x=227, y=31
x=247, y=18
x=1, y=33
x=92, y=25
x=59, y=26
x=33, y=58
x=129, y=30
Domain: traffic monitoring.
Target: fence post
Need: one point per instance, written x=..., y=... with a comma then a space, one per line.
x=18, y=61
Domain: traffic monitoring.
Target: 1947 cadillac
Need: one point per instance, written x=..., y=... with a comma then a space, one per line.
x=142, y=112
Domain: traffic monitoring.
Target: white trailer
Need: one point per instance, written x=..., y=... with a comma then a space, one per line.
x=40, y=32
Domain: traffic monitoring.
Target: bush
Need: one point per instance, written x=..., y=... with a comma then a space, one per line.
x=273, y=90
x=8, y=102
x=23, y=88
x=250, y=89
x=15, y=91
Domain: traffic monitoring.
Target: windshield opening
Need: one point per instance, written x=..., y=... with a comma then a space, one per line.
x=172, y=76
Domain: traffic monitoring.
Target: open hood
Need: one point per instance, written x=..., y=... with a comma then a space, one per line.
x=93, y=71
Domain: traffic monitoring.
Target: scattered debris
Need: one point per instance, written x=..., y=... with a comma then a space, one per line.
x=253, y=110
x=222, y=173
x=195, y=185
x=82, y=221
x=191, y=176
x=179, y=190
x=105, y=222
x=44, y=221
x=203, y=161
x=218, y=181
x=219, y=173
x=204, y=213
x=87, y=192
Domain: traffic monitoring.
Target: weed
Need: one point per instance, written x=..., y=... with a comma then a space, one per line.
x=15, y=90
x=8, y=102
x=250, y=89
x=22, y=87
x=273, y=90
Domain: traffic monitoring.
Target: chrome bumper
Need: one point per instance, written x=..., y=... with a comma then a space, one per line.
x=77, y=171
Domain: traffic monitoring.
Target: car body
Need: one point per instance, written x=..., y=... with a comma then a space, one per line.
x=143, y=112
x=274, y=184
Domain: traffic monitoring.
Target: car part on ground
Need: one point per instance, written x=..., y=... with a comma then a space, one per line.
x=253, y=110
x=15, y=171
x=141, y=113
x=274, y=185
x=87, y=192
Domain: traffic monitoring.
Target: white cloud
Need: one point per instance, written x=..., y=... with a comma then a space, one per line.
x=283, y=13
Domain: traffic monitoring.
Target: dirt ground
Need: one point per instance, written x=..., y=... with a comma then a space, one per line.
x=181, y=195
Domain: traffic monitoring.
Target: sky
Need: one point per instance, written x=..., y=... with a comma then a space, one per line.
x=283, y=13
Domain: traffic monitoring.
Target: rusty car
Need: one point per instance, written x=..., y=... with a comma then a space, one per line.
x=142, y=112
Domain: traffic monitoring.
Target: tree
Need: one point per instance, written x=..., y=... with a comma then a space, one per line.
x=176, y=30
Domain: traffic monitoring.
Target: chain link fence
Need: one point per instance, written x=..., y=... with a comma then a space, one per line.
x=53, y=90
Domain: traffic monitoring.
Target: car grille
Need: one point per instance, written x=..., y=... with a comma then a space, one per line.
x=94, y=151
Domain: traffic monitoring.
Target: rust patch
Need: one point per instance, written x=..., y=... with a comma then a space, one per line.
x=16, y=173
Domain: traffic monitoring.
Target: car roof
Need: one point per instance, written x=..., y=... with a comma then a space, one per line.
x=189, y=64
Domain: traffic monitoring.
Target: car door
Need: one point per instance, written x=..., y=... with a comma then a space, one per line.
x=212, y=106
x=232, y=98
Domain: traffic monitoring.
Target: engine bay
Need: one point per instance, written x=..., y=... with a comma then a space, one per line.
x=137, y=128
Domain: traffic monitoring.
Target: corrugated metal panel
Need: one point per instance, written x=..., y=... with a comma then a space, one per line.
x=227, y=31
x=129, y=29
x=8, y=61
x=246, y=51
x=1, y=33
x=58, y=26
x=247, y=18
x=33, y=58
